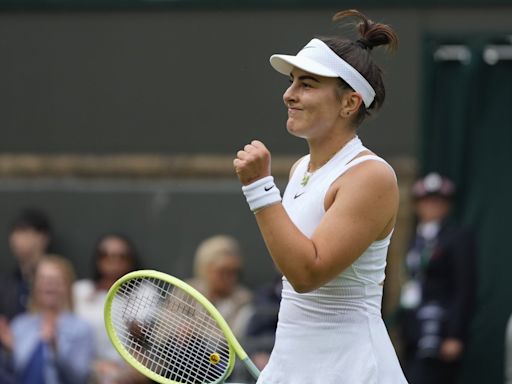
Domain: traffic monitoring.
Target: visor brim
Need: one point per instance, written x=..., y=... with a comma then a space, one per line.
x=285, y=63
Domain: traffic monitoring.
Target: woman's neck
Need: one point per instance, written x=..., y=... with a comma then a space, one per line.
x=28, y=267
x=322, y=150
x=50, y=314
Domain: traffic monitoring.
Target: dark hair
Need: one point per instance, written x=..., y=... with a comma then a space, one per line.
x=32, y=218
x=358, y=55
x=130, y=246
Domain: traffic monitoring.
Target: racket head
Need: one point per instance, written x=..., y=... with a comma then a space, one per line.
x=167, y=330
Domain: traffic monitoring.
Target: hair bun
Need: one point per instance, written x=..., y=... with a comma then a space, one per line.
x=372, y=34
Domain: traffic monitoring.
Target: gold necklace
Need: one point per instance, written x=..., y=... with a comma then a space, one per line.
x=305, y=178
x=307, y=174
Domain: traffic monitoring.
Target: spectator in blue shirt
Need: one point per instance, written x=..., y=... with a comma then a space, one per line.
x=50, y=345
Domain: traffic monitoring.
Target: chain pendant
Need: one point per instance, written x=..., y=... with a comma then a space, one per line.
x=305, y=178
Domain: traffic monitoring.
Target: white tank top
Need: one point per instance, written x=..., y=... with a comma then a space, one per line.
x=334, y=334
x=305, y=206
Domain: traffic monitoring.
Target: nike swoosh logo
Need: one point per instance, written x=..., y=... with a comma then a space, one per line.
x=298, y=194
x=268, y=188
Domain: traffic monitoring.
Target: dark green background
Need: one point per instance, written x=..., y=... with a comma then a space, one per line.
x=467, y=135
x=222, y=4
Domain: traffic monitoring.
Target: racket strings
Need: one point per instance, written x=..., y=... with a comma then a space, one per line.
x=188, y=306
x=154, y=364
x=199, y=342
x=175, y=342
x=168, y=332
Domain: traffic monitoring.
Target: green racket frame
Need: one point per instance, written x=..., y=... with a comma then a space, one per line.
x=234, y=345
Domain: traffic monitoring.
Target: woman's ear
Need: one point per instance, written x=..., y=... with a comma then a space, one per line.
x=350, y=103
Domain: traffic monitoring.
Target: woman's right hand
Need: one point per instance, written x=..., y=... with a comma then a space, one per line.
x=252, y=163
x=49, y=331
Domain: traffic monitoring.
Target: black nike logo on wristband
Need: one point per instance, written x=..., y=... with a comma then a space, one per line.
x=268, y=188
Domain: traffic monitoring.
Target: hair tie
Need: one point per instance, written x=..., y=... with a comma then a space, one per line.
x=364, y=43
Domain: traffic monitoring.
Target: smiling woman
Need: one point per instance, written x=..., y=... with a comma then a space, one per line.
x=330, y=233
x=50, y=344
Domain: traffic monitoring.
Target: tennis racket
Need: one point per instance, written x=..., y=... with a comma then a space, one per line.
x=169, y=331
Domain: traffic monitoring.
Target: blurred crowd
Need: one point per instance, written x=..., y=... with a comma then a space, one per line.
x=52, y=328
x=52, y=325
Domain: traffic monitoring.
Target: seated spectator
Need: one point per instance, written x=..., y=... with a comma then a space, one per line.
x=262, y=324
x=114, y=256
x=29, y=239
x=217, y=266
x=266, y=303
x=50, y=344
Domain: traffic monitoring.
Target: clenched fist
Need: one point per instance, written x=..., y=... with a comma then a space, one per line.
x=252, y=163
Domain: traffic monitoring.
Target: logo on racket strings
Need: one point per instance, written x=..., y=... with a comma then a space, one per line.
x=214, y=358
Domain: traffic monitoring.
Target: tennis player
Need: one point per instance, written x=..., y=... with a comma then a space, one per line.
x=329, y=235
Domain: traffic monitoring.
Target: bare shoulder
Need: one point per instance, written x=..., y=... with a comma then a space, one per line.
x=372, y=175
x=370, y=183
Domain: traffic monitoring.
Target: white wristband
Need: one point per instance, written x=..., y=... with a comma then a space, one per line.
x=261, y=193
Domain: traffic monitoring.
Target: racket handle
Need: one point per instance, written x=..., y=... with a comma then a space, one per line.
x=253, y=370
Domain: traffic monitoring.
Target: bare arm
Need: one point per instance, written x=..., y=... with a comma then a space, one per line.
x=361, y=207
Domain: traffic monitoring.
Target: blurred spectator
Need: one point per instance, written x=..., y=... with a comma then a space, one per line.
x=29, y=239
x=50, y=345
x=114, y=256
x=508, y=352
x=438, y=298
x=262, y=324
x=217, y=267
x=266, y=303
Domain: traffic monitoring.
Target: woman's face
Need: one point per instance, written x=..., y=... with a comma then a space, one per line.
x=432, y=208
x=51, y=287
x=28, y=245
x=223, y=275
x=313, y=103
x=114, y=258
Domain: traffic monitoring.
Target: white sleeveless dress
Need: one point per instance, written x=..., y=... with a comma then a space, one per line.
x=334, y=334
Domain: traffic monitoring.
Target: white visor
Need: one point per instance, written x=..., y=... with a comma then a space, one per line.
x=317, y=58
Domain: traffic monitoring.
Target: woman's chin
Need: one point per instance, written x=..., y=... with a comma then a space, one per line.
x=292, y=130
x=291, y=127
